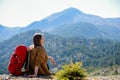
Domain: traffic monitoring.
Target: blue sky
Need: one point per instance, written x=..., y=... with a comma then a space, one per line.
x=21, y=13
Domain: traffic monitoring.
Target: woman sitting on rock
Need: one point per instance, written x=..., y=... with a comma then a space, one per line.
x=39, y=57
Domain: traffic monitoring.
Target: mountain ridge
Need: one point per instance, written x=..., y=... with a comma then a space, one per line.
x=66, y=17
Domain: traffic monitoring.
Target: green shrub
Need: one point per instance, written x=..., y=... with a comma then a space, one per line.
x=71, y=72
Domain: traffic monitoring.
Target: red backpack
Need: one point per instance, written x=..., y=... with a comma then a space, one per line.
x=17, y=60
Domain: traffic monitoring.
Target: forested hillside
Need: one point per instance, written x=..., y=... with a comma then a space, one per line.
x=92, y=52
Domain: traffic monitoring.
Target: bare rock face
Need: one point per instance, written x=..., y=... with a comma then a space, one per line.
x=8, y=77
x=113, y=77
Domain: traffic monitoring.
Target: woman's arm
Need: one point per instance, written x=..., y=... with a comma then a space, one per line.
x=52, y=60
x=35, y=72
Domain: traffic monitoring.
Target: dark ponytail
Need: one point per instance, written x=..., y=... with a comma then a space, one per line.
x=36, y=39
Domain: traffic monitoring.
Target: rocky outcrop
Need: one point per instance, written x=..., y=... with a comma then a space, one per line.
x=8, y=77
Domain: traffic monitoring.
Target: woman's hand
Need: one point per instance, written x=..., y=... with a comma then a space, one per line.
x=35, y=72
x=52, y=60
x=30, y=47
x=32, y=76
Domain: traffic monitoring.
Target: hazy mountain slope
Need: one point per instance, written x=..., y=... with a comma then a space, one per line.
x=113, y=22
x=7, y=32
x=87, y=30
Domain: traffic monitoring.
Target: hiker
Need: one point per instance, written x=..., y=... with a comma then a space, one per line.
x=49, y=57
x=39, y=57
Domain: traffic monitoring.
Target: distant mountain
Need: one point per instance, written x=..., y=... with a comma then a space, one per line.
x=72, y=16
x=87, y=30
x=7, y=32
x=55, y=20
x=113, y=22
x=71, y=21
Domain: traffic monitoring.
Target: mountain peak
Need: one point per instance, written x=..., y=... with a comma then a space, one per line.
x=72, y=9
x=1, y=26
x=65, y=15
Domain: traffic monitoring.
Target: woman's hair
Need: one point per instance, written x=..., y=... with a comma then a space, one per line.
x=36, y=39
